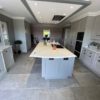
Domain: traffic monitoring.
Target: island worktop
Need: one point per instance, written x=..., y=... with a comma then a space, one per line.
x=56, y=63
x=47, y=51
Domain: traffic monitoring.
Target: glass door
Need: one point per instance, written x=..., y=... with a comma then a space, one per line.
x=4, y=33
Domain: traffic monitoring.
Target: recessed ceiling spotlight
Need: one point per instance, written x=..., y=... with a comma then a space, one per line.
x=64, y=14
x=35, y=3
x=71, y=7
x=87, y=0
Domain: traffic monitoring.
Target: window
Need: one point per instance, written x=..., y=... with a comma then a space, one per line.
x=46, y=33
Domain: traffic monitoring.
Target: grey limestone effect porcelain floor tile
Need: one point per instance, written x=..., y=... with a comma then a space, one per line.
x=24, y=82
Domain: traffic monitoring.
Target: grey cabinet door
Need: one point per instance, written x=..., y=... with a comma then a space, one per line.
x=51, y=68
x=8, y=57
x=96, y=28
x=82, y=25
x=2, y=65
x=64, y=70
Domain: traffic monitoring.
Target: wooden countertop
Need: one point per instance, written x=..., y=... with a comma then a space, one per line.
x=47, y=51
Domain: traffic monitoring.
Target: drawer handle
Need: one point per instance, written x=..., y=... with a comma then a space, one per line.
x=65, y=59
x=5, y=50
x=51, y=58
x=90, y=56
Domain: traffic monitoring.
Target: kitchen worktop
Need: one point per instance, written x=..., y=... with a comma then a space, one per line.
x=2, y=47
x=47, y=51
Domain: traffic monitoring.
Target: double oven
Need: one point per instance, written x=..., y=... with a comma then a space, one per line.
x=79, y=41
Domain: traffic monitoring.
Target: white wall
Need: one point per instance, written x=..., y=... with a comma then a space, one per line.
x=28, y=35
x=56, y=32
x=19, y=29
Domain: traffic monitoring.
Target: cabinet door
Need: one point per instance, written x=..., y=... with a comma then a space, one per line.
x=89, y=60
x=97, y=65
x=65, y=69
x=2, y=65
x=8, y=57
x=83, y=55
x=51, y=68
x=96, y=28
x=82, y=25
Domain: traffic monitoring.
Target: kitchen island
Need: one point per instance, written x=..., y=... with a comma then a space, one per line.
x=56, y=63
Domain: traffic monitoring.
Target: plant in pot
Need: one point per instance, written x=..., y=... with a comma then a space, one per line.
x=17, y=45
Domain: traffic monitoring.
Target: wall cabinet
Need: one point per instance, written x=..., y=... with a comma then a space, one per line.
x=96, y=28
x=91, y=59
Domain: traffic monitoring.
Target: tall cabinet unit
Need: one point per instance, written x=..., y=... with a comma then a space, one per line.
x=83, y=26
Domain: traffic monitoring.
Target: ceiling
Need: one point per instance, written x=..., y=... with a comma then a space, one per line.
x=45, y=11
x=93, y=8
x=16, y=9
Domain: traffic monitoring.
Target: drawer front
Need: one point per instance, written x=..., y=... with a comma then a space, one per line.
x=98, y=56
x=83, y=51
x=90, y=54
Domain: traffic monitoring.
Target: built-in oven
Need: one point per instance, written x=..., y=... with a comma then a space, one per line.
x=78, y=46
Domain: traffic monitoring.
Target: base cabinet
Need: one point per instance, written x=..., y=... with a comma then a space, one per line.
x=2, y=66
x=8, y=57
x=91, y=59
x=6, y=60
x=61, y=68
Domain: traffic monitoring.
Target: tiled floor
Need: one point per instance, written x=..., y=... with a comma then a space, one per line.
x=24, y=82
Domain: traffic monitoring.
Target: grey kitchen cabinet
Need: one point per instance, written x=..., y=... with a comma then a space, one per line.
x=8, y=57
x=2, y=66
x=97, y=64
x=57, y=68
x=91, y=59
x=82, y=25
x=96, y=28
x=52, y=69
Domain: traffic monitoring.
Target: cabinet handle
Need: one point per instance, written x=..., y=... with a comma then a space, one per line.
x=90, y=56
x=51, y=58
x=5, y=50
x=98, y=60
x=65, y=59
